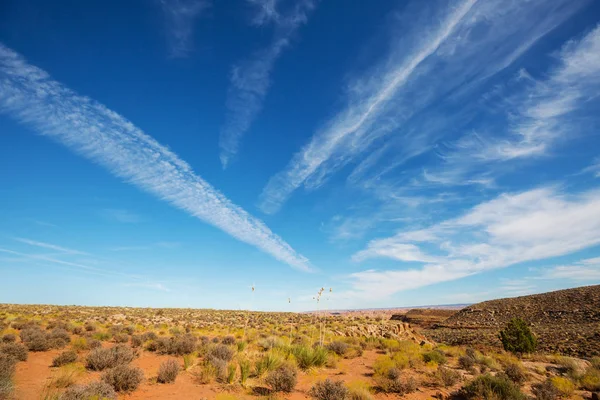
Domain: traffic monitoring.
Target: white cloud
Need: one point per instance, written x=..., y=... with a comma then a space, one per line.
x=149, y=285
x=461, y=48
x=250, y=79
x=513, y=228
x=594, y=168
x=28, y=94
x=180, y=16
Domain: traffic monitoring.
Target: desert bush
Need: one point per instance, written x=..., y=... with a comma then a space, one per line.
x=490, y=387
x=308, y=357
x=467, y=363
x=338, y=347
x=283, y=379
x=121, y=338
x=435, y=356
x=34, y=339
x=184, y=344
x=393, y=382
x=217, y=367
x=7, y=371
x=15, y=350
x=137, y=341
x=515, y=373
x=100, y=359
x=94, y=390
x=146, y=336
x=102, y=336
x=517, y=337
x=63, y=358
x=228, y=340
x=94, y=343
x=447, y=376
x=329, y=390
x=59, y=333
x=167, y=371
x=222, y=352
x=129, y=330
x=595, y=361
x=565, y=386
x=89, y=327
x=591, y=380
x=9, y=338
x=77, y=330
x=57, y=343
x=123, y=378
x=545, y=390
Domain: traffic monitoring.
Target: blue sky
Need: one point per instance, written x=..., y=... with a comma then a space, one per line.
x=174, y=153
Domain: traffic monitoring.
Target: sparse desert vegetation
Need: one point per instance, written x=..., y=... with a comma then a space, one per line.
x=65, y=353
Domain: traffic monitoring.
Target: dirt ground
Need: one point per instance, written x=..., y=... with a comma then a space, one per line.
x=35, y=374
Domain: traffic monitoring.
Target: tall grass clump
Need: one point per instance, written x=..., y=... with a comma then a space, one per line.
x=308, y=357
x=244, y=365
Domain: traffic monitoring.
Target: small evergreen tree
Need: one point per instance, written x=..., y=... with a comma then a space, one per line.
x=517, y=337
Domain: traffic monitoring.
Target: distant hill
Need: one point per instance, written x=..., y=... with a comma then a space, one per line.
x=565, y=321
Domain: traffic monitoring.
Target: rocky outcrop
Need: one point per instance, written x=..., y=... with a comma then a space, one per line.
x=389, y=330
x=565, y=321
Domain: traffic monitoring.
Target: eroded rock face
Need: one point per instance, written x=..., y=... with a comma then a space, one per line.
x=565, y=321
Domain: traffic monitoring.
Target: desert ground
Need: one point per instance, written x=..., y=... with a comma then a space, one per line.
x=71, y=352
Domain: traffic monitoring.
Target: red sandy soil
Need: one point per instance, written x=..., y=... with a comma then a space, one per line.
x=35, y=373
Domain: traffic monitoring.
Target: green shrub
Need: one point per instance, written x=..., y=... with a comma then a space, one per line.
x=283, y=379
x=15, y=350
x=91, y=391
x=123, y=378
x=490, y=387
x=517, y=337
x=435, y=356
x=231, y=368
x=329, y=390
x=167, y=371
x=269, y=361
x=63, y=358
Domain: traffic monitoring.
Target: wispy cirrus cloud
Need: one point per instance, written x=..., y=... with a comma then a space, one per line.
x=583, y=270
x=29, y=95
x=251, y=78
x=468, y=43
x=121, y=215
x=180, y=16
x=50, y=246
x=510, y=229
